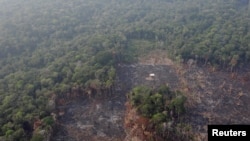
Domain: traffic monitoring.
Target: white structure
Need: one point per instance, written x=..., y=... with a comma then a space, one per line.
x=151, y=75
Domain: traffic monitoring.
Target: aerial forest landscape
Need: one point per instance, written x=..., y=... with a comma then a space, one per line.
x=122, y=70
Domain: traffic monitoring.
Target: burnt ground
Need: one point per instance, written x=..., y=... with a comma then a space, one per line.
x=102, y=117
x=138, y=74
x=91, y=120
x=214, y=97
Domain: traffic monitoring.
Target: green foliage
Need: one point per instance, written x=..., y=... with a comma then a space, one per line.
x=48, y=120
x=104, y=58
x=19, y=133
x=146, y=109
x=139, y=94
x=178, y=104
x=161, y=106
x=37, y=137
x=157, y=100
x=158, y=118
x=43, y=51
x=151, y=104
x=164, y=90
x=8, y=133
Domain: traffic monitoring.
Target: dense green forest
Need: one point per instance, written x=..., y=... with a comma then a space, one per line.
x=49, y=47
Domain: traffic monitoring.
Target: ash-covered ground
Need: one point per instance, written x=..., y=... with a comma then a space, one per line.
x=214, y=97
x=101, y=118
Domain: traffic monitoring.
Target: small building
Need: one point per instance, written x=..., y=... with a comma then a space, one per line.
x=151, y=76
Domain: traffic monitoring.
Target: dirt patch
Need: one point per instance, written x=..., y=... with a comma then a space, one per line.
x=157, y=57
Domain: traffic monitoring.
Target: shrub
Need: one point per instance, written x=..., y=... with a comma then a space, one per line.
x=37, y=137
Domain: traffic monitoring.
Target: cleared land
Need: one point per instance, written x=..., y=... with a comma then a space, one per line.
x=214, y=97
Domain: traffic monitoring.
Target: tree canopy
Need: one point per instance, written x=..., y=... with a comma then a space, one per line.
x=50, y=47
